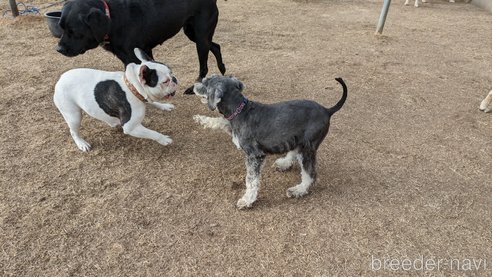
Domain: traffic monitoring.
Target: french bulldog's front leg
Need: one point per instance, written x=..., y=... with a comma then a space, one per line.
x=486, y=103
x=140, y=131
x=163, y=106
x=215, y=123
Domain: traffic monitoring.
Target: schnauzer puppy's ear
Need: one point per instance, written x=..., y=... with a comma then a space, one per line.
x=199, y=89
x=214, y=97
x=239, y=84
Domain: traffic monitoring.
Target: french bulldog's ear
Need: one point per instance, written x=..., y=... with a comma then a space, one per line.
x=148, y=76
x=99, y=24
x=141, y=55
x=214, y=98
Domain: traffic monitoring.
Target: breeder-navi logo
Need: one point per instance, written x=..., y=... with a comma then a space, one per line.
x=422, y=263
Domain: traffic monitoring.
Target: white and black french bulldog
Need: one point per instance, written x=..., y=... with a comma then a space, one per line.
x=117, y=98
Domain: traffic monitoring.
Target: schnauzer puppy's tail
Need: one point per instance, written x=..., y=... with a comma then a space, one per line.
x=340, y=103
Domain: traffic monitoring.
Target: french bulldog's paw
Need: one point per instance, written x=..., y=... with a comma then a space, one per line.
x=83, y=145
x=165, y=140
x=164, y=106
x=243, y=204
x=296, y=192
x=484, y=105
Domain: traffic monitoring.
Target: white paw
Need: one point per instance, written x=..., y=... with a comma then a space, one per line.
x=83, y=145
x=164, y=106
x=483, y=105
x=243, y=204
x=165, y=140
x=283, y=164
x=296, y=192
x=451, y=1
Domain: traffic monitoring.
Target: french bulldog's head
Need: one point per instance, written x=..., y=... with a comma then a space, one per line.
x=153, y=80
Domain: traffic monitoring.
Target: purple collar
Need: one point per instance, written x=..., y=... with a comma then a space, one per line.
x=238, y=110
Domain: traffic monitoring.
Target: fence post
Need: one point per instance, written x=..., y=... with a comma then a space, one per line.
x=13, y=8
x=382, y=17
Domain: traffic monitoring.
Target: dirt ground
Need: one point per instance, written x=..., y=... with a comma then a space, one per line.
x=405, y=172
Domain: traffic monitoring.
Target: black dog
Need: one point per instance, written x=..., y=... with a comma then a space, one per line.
x=123, y=25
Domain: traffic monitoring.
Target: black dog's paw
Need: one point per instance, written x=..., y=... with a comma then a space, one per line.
x=189, y=90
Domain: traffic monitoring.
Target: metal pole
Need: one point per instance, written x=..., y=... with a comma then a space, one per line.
x=382, y=17
x=13, y=8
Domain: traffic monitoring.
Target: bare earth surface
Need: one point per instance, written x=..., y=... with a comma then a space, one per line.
x=405, y=171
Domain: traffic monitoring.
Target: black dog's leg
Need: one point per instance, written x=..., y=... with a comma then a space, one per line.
x=200, y=29
x=202, y=47
x=215, y=48
x=307, y=160
x=254, y=164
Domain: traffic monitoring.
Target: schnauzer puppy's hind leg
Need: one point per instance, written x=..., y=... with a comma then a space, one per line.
x=140, y=131
x=307, y=160
x=285, y=163
x=253, y=174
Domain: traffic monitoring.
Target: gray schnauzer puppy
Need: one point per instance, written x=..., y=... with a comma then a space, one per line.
x=294, y=127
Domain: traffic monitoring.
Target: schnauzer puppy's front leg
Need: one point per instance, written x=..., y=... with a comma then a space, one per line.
x=140, y=131
x=215, y=123
x=163, y=106
x=253, y=174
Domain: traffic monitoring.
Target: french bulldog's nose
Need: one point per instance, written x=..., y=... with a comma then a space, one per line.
x=175, y=80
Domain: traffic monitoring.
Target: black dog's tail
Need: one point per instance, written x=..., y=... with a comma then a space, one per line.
x=340, y=103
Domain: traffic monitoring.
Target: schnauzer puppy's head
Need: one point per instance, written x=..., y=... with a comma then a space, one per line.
x=217, y=88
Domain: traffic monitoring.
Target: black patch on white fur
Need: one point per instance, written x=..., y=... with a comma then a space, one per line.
x=112, y=100
x=150, y=76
